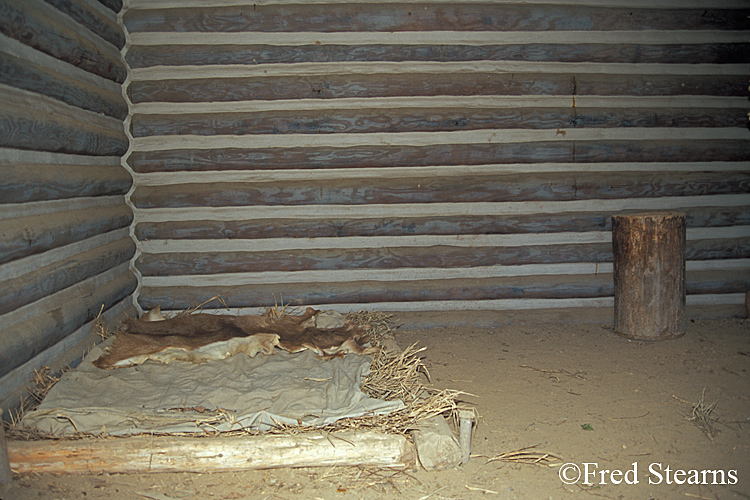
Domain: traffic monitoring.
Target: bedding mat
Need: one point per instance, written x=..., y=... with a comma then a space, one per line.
x=229, y=394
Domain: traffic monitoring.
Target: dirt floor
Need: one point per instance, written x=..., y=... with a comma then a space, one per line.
x=629, y=409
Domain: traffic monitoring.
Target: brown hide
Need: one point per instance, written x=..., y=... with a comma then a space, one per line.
x=147, y=336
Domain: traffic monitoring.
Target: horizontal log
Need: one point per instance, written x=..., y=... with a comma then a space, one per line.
x=355, y=121
x=390, y=226
x=38, y=76
x=404, y=226
x=333, y=86
x=39, y=123
x=81, y=303
x=182, y=55
x=39, y=25
x=143, y=454
x=407, y=119
x=23, y=182
x=90, y=15
x=31, y=235
x=395, y=16
x=50, y=279
x=449, y=189
x=365, y=292
x=718, y=248
x=437, y=256
x=176, y=160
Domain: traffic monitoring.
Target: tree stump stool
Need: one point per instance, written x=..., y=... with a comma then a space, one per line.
x=649, y=275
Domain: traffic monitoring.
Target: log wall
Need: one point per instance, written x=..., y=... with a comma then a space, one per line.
x=434, y=156
x=65, y=243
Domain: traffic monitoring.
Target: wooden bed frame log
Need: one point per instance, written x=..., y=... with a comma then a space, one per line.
x=144, y=454
x=433, y=446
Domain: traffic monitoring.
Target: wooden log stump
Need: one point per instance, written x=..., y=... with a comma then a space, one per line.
x=649, y=275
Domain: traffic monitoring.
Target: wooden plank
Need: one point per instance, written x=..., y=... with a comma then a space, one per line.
x=40, y=25
x=404, y=119
x=181, y=55
x=143, y=454
x=336, y=86
x=34, y=122
x=23, y=182
x=403, y=226
x=479, y=188
x=60, y=275
x=21, y=237
x=366, y=292
x=80, y=304
x=28, y=69
x=427, y=17
x=93, y=16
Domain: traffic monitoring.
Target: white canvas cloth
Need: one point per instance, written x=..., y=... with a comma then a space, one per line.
x=251, y=393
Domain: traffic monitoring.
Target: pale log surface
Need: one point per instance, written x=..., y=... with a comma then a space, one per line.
x=179, y=454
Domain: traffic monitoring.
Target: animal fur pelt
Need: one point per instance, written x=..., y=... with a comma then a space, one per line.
x=200, y=337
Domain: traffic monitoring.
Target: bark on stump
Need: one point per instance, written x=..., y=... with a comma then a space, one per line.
x=649, y=275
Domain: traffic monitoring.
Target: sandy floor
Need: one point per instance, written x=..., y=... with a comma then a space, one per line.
x=581, y=393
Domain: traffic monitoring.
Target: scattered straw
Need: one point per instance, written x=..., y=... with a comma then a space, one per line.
x=702, y=416
x=199, y=307
x=98, y=327
x=526, y=455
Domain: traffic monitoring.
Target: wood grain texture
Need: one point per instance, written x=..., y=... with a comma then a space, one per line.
x=312, y=158
x=489, y=188
x=181, y=55
x=21, y=342
x=404, y=119
x=21, y=237
x=23, y=182
x=28, y=75
x=437, y=256
x=428, y=17
x=39, y=123
x=60, y=275
x=220, y=454
x=649, y=275
x=366, y=292
x=39, y=25
x=201, y=89
x=405, y=226
x=97, y=20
